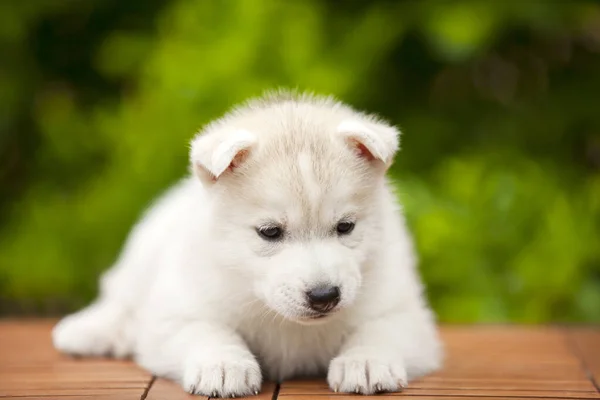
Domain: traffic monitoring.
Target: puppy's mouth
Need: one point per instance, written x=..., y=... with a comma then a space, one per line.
x=311, y=316
x=316, y=316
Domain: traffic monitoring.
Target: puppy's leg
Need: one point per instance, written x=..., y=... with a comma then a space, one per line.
x=98, y=330
x=104, y=328
x=206, y=359
x=383, y=354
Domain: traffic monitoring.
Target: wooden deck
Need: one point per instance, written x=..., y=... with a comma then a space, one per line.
x=483, y=362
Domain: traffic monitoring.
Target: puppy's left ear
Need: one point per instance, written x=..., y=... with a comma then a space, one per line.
x=373, y=140
x=218, y=152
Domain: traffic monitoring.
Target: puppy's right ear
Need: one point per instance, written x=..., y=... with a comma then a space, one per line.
x=216, y=153
x=374, y=141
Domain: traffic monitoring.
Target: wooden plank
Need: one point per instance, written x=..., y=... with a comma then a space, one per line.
x=434, y=385
x=31, y=368
x=320, y=389
x=26, y=343
x=414, y=397
x=490, y=361
x=513, y=353
x=586, y=341
x=115, y=396
x=163, y=389
x=500, y=384
x=292, y=387
x=80, y=391
x=8, y=384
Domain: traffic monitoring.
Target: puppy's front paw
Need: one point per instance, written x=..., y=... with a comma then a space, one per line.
x=227, y=376
x=364, y=373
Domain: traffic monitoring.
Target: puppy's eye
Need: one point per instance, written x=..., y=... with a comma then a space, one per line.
x=271, y=233
x=344, y=227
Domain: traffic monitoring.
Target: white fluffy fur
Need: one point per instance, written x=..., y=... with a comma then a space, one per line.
x=198, y=296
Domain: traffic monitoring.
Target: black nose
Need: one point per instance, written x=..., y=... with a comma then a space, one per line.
x=323, y=298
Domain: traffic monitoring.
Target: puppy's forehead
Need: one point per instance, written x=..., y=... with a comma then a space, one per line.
x=307, y=187
x=301, y=170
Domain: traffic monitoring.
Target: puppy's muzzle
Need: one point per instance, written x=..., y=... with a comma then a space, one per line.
x=323, y=298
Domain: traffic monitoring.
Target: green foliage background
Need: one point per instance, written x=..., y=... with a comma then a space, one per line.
x=498, y=102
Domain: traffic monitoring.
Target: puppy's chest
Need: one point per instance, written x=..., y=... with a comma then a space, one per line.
x=291, y=350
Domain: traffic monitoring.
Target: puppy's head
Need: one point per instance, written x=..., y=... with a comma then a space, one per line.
x=296, y=184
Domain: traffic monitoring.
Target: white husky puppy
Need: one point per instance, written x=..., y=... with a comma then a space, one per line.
x=283, y=255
